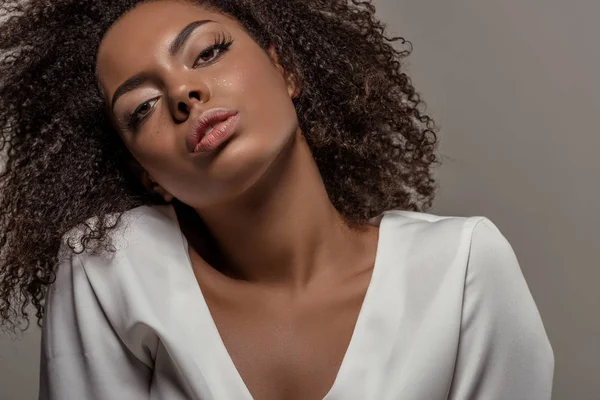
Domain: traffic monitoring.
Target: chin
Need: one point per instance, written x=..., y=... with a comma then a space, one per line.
x=242, y=165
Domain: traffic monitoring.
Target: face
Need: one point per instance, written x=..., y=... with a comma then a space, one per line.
x=217, y=65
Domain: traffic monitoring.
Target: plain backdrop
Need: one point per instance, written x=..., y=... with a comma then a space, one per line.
x=514, y=87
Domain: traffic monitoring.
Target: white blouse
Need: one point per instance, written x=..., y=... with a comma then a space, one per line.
x=447, y=315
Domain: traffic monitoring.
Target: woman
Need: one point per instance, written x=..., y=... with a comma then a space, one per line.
x=237, y=189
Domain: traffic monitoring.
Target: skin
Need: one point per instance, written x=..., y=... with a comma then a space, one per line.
x=291, y=275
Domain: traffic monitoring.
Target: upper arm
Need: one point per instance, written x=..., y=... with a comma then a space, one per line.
x=82, y=357
x=504, y=352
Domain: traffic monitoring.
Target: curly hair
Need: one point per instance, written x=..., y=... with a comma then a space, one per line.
x=65, y=163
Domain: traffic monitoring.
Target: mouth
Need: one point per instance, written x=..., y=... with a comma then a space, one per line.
x=212, y=128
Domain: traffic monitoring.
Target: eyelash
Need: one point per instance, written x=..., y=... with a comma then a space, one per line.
x=222, y=43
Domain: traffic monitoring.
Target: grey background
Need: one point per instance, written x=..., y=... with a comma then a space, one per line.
x=514, y=88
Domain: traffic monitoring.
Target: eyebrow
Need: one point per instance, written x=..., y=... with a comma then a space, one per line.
x=139, y=79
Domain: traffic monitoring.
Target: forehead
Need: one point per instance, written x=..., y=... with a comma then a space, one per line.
x=142, y=36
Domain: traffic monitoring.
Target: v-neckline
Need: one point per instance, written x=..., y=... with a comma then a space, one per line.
x=357, y=338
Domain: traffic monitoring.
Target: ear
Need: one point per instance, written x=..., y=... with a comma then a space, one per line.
x=168, y=197
x=290, y=79
x=149, y=183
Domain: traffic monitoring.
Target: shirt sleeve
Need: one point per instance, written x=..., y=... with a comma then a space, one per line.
x=82, y=357
x=503, y=352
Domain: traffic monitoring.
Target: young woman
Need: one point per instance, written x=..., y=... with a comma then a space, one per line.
x=225, y=199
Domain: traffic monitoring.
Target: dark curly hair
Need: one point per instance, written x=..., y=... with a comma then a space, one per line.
x=65, y=163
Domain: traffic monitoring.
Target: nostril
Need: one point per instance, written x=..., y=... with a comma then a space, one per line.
x=194, y=95
x=183, y=107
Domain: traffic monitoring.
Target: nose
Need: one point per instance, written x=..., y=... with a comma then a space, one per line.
x=184, y=98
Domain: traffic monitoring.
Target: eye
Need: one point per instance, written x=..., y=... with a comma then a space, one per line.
x=144, y=108
x=211, y=53
x=133, y=120
x=208, y=54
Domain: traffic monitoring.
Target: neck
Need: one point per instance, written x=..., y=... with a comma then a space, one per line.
x=284, y=229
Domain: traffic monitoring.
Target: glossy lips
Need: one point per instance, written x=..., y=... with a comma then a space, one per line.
x=211, y=129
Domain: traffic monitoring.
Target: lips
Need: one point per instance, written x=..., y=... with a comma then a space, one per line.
x=205, y=123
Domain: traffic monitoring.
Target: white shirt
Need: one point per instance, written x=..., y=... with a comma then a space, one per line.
x=447, y=315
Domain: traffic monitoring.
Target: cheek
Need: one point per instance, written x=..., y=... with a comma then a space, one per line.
x=156, y=149
x=262, y=95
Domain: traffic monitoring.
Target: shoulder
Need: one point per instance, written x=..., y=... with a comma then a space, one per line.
x=137, y=224
x=432, y=224
x=142, y=237
x=144, y=242
x=475, y=243
x=470, y=267
x=116, y=289
x=468, y=254
x=432, y=236
x=481, y=260
x=439, y=230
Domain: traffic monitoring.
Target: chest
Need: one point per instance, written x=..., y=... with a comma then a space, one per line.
x=285, y=349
